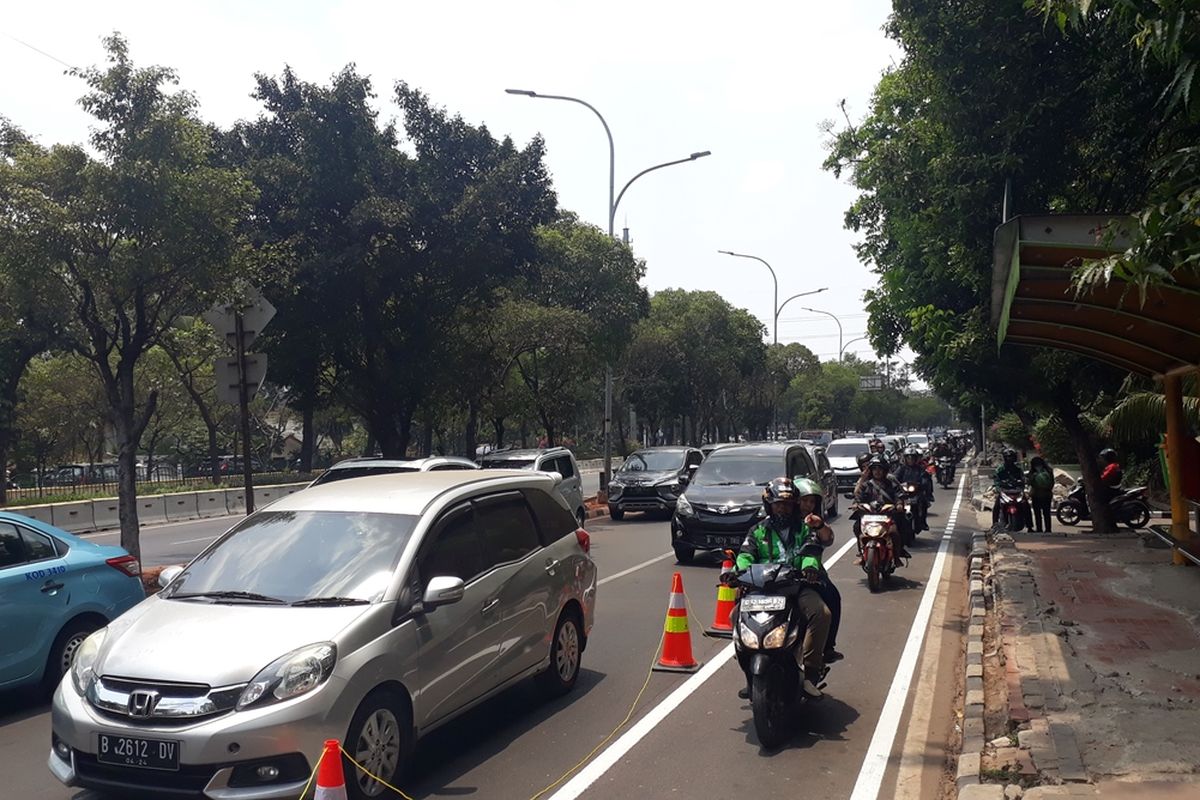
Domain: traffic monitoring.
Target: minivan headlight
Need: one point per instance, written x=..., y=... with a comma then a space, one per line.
x=292, y=675
x=683, y=507
x=83, y=674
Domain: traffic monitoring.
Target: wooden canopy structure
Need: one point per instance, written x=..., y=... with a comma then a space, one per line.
x=1034, y=303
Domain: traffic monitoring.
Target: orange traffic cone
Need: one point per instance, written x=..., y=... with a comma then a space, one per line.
x=331, y=782
x=677, y=642
x=722, y=626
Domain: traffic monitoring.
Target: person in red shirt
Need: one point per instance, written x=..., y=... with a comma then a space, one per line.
x=1111, y=474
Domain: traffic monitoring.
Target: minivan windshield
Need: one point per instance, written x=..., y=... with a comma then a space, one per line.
x=331, y=475
x=846, y=449
x=653, y=461
x=292, y=556
x=737, y=469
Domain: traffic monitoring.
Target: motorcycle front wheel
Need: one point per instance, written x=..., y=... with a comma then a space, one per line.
x=1136, y=516
x=872, y=568
x=1013, y=523
x=772, y=696
x=1068, y=513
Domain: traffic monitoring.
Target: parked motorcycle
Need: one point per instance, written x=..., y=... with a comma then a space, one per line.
x=878, y=556
x=768, y=635
x=1129, y=508
x=945, y=471
x=1015, y=509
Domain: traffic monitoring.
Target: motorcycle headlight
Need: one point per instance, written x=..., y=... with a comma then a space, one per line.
x=775, y=638
x=683, y=507
x=292, y=675
x=83, y=674
x=749, y=638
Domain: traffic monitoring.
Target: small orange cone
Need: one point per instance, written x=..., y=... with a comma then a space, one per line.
x=722, y=626
x=677, y=642
x=331, y=782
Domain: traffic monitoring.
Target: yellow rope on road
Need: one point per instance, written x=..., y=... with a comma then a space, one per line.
x=367, y=772
x=621, y=724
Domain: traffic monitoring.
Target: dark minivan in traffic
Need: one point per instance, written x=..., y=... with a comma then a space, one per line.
x=652, y=480
x=724, y=497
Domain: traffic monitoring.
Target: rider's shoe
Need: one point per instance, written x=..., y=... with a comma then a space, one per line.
x=811, y=690
x=832, y=655
x=744, y=693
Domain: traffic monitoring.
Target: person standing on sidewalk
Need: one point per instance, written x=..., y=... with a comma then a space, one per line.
x=1041, y=492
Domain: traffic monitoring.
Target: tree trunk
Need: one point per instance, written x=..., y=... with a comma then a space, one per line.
x=472, y=430
x=1068, y=412
x=127, y=508
x=498, y=429
x=426, y=439
x=214, y=461
x=309, y=443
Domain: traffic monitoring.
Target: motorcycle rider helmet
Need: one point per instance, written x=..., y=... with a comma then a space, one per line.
x=1108, y=455
x=878, y=461
x=911, y=455
x=862, y=460
x=1010, y=456
x=779, y=489
x=876, y=445
x=806, y=487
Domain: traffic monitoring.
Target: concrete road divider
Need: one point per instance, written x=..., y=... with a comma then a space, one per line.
x=211, y=504
x=105, y=514
x=266, y=495
x=181, y=506
x=152, y=511
x=235, y=501
x=40, y=513
x=72, y=517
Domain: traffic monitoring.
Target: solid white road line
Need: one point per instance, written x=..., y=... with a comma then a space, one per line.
x=201, y=539
x=642, y=565
x=870, y=777
x=617, y=750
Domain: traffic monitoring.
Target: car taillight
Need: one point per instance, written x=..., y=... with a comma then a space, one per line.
x=127, y=564
x=585, y=541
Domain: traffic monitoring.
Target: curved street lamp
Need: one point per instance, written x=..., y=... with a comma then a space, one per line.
x=842, y=352
x=835, y=319
x=612, y=215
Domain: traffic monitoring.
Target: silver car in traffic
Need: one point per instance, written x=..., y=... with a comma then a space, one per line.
x=371, y=611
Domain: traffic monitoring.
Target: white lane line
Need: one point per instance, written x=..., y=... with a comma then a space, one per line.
x=642, y=565
x=617, y=750
x=875, y=764
x=201, y=539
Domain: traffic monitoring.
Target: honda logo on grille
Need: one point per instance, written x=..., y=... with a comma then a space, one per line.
x=142, y=702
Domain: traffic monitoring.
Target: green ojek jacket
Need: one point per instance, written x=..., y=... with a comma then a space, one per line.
x=763, y=545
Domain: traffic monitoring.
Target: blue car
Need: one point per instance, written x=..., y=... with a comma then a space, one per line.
x=55, y=589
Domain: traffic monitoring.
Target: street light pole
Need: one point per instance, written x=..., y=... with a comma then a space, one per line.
x=612, y=216
x=779, y=310
x=775, y=302
x=842, y=352
x=835, y=319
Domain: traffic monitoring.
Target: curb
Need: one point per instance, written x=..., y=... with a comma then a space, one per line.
x=973, y=701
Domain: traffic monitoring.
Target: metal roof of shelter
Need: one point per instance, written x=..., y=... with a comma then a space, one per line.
x=1034, y=303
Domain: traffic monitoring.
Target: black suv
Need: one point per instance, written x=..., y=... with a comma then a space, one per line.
x=652, y=480
x=724, y=497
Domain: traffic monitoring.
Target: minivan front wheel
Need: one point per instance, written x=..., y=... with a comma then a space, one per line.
x=566, y=651
x=378, y=739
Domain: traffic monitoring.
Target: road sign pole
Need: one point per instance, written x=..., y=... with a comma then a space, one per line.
x=244, y=408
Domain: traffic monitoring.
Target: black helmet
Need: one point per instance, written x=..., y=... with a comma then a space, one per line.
x=1010, y=454
x=779, y=490
x=877, y=461
x=1109, y=455
x=862, y=459
x=913, y=452
x=874, y=443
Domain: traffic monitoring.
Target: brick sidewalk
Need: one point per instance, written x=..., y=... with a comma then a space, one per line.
x=1101, y=651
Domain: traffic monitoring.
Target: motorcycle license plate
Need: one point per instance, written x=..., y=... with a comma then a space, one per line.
x=883, y=519
x=764, y=602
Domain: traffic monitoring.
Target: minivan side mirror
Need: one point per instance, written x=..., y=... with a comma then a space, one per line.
x=442, y=591
x=168, y=574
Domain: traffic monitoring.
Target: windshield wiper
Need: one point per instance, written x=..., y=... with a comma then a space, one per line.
x=331, y=601
x=230, y=595
x=729, y=483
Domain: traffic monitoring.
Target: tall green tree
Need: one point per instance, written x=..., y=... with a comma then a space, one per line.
x=1063, y=118
x=135, y=238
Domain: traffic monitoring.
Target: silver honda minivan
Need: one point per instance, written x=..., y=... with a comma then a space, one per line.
x=370, y=611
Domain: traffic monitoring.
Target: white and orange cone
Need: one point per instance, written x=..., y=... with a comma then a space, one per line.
x=677, y=641
x=722, y=626
x=331, y=782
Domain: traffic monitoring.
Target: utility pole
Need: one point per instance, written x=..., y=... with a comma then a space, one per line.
x=244, y=408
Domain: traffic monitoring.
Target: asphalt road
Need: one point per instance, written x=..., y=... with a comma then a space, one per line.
x=698, y=745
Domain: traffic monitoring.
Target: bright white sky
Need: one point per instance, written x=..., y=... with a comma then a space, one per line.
x=750, y=81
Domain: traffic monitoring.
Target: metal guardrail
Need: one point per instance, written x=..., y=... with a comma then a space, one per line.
x=1170, y=540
